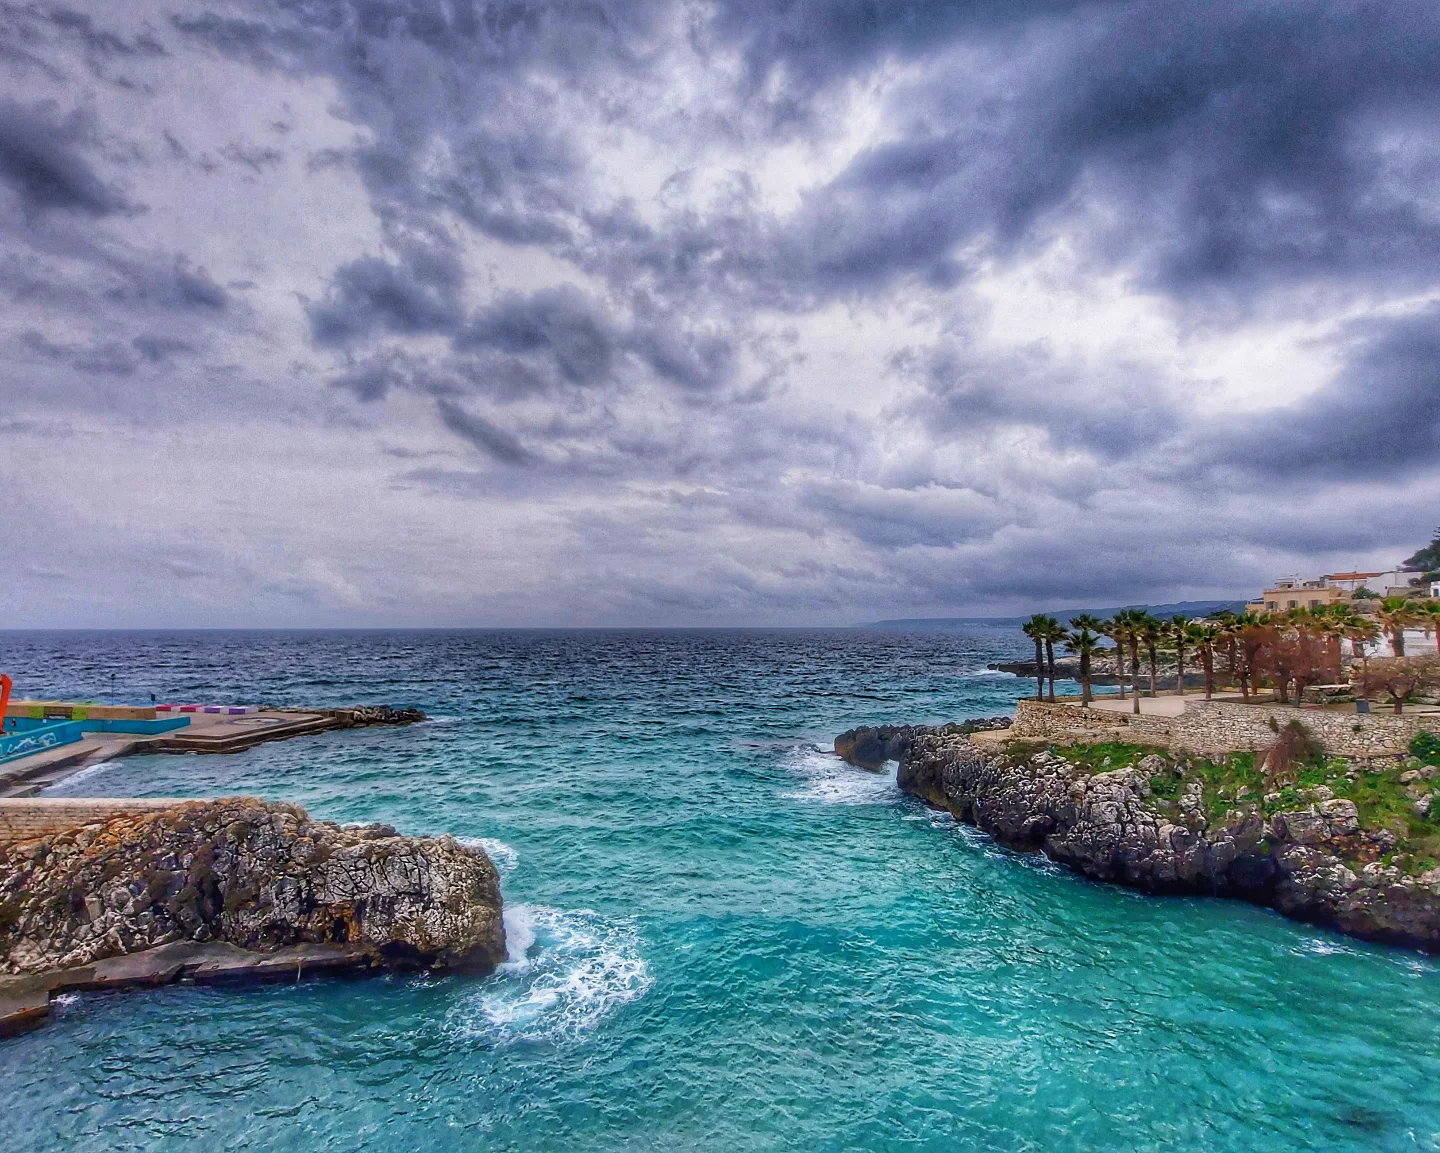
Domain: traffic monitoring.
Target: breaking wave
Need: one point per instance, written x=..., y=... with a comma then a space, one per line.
x=564, y=973
x=833, y=781
x=501, y=855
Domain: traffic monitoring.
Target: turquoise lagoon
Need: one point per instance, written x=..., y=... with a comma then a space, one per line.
x=721, y=937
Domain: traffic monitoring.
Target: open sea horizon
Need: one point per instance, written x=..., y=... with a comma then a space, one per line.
x=721, y=936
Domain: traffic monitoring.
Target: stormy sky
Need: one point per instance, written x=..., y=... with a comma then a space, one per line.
x=441, y=312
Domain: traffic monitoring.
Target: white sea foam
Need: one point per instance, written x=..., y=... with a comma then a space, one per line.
x=83, y=775
x=1320, y=947
x=565, y=972
x=501, y=855
x=833, y=781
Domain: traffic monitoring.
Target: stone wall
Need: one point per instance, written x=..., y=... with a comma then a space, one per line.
x=1043, y=721
x=1217, y=727
x=24, y=819
x=1222, y=726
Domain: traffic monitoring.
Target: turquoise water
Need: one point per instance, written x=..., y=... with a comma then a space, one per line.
x=721, y=937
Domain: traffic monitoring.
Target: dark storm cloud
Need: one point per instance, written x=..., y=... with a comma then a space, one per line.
x=588, y=294
x=488, y=438
x=418, y=293
x=558, y=324
x=1236, y=144
x=1379, y=418
x=40, y=159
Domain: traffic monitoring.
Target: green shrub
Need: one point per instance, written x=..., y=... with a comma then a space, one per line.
x=1426, y=746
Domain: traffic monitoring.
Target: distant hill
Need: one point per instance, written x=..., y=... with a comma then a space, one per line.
x=950, y=624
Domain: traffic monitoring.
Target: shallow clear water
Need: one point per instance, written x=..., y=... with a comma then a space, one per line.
x=722, y=938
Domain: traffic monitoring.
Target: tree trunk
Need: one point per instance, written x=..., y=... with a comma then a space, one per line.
x=1207, y=658
x=1050, y=665
x=1397, y=642
x=1135, y=675
x=1085, y=677
x=1179, y=670
x=1120, y=665
x=1039, y=670
x=1154, y=672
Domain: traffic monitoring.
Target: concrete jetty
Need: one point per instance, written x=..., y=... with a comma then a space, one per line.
x=45, y=742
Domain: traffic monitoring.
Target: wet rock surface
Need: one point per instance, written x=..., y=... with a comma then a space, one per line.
x=871, y=746
x=1317, y=864
x=257, y=876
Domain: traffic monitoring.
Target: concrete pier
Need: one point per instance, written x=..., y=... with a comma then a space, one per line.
x=120, y=730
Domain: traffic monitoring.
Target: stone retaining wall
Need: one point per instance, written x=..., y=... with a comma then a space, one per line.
x=1047, y=722
x=1218, y=727
x=25, y=819
x=1223, y=726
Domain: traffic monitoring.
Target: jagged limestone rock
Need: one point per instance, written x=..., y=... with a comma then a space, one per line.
x=1316, y=865
x=248, y=873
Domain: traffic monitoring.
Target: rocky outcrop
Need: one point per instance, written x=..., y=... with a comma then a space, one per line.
x=1317, y=865
x=253, y=875
x=359, y=716
x=871, y=746
x=378, y=715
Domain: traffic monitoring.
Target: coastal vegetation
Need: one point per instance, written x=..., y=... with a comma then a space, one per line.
x=1285, y=652
x=1390, y=794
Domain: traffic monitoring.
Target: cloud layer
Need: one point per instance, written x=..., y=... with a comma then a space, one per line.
x=401, y=311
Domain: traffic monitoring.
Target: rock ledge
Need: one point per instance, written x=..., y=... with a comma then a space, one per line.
x=1316, y=864
x=237, y=888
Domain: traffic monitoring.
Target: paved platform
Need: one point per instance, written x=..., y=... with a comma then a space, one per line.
x=206, y=733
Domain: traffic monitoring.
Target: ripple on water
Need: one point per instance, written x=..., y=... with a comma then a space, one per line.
x=565, y=972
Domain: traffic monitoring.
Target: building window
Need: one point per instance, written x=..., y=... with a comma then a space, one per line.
x=1292, y=604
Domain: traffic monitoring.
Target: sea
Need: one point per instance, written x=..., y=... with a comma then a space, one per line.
x=720, y=936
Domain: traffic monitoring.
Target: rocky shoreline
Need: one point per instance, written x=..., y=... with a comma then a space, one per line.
x=234, y=889
x=1316, y=863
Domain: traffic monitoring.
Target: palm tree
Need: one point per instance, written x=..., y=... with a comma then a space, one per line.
x=1132, y=620
x=1152, y=632
x=1396, y=614
x=1227, y=627
x=1427, y=617
x=1203, y=635
x=1051, y=631
x=1034, y=628
x=1252, y=633
x=1359, y=630
x=1084, y=635
x=1115, y=630
x=1180, y=636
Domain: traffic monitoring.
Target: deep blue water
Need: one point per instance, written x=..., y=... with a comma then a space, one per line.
x=722, y=938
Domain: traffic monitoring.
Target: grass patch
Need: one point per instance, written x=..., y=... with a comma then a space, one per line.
x=1237, y=781
x=1103, y=756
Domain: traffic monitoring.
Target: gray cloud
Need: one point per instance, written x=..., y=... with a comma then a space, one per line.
x=495, y=442
x=1380, y=417
x=417, y=294
x=742, y=311
x=557, y=324
x=41, y=160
